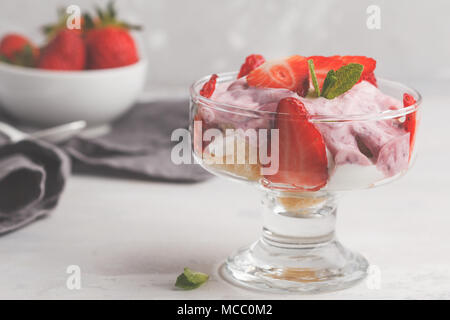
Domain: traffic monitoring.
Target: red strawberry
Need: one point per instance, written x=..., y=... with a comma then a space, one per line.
x=302, y=154
x=110, y=47
x=17, y=49
x=66, y=51
x=370, y=77
x=302, y=90
x=252, y=62
x=290, y=73
x=324, y=64
x=109, y=43
x=368, y=63
x=410, y=121
x=11, y=44
x=208, y=88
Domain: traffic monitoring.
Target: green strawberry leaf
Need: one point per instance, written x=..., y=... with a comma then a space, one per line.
x=25, y=57
x=189, y=279
x=111, y=10
x=4, y=59
x=346, y=77
x=314, y=77
x=99, y=12
x=88, y=22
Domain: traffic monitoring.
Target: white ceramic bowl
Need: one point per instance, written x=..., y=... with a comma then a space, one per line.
x=46, y=98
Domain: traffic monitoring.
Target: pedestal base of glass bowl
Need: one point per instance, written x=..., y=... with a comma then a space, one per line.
x=298, y=251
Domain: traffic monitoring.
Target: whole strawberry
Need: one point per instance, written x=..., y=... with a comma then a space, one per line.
x=66, y=51
x=17, y=49
x=108, y=41
x=110, y=47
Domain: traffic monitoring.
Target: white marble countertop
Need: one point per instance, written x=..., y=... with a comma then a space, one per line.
x=132, y=238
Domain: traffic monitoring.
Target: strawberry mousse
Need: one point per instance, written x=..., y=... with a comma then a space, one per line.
x=295, y=95
x=302, y=129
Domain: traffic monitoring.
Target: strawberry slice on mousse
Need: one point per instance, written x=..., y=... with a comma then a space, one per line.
x=370, y=77
x=289, y=73
x=252, y=62
x=303, y=160
x=410, y=121
x=324, y=64
x=208, y=88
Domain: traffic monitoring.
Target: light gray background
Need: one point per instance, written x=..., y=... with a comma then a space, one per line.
x=123, y=233
x=185, y=40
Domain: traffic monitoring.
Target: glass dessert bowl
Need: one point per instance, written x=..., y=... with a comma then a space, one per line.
x=301, y=155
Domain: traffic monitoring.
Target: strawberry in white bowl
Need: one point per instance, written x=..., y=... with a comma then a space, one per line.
x=95, y=73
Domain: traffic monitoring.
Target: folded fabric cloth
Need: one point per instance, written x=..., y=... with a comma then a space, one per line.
x=32, y=178
x=139, y=144
x=33, y=173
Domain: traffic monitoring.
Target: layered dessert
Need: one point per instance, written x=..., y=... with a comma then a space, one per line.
x=336, y=130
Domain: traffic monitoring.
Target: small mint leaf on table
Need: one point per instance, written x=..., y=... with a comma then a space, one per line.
x=189, y=279
x=314, y=77
x=345, y=78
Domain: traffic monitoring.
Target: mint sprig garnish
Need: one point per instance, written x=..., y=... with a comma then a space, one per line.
x=312, y=71
x=342, y=80
x=329, y=82
x=189, y=279
x=336, y=82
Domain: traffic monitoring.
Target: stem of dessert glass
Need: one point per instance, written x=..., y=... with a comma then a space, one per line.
x=298, y=250
x=296, y=219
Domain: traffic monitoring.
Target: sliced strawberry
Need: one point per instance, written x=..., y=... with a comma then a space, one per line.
x=252, y=62
x=408, y=100
x=368, y=63
x=370, y=77
x=302, y=90
x=324, y=64
x=410, y=121
x=290, y=73
x=208, y=88
x=303, y=160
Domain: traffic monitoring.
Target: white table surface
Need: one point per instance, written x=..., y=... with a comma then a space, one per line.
x=132, y=238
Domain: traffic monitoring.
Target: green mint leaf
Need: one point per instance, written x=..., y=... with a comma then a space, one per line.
x=346, y=77
x=314, y=77
x=329, y=81
x=189, y=279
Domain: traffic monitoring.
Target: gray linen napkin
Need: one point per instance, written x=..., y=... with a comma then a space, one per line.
x=33, y=173
x=139, y=145
x=32, y=178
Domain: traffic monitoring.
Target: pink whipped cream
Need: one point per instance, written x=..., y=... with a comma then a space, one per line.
x=382, y=143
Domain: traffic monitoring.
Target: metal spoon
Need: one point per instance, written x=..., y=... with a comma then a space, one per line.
x=54, y=135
